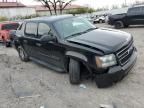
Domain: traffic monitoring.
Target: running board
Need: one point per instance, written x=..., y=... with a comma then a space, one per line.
x=47, y=65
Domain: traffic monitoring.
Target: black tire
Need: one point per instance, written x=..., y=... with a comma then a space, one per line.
x=118, y=24
x=100, y=21
x=74, y=71
x=22, y=54
x=7, y=44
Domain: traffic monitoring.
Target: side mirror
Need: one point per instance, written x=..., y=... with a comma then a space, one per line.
x=47, y=38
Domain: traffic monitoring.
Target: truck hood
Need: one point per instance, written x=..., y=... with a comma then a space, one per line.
x=106, y=40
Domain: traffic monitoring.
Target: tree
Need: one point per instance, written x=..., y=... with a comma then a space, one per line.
x=102, y=9
x=123, y=5
x=46, y=4
x=81, y=11
x=115, y=7
x=56, y=5
x=91, y=10
x=63, y=4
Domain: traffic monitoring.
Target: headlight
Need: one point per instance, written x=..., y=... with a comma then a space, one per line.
x=106, y=61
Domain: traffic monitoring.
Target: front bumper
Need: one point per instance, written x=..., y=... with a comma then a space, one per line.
x=115, y=73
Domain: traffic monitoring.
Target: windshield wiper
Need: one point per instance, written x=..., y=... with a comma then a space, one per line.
x=90, y=29
x=75, y=34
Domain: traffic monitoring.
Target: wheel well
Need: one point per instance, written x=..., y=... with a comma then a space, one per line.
x=118, y=21
x=83, y=66
x=16, y=45
x=3, y=37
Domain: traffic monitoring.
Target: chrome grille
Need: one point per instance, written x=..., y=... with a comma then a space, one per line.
x=125, y=53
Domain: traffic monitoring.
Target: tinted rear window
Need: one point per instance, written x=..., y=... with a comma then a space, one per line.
x=136, y=11
x=31, y=29
x=10, y=26
x=142, y=10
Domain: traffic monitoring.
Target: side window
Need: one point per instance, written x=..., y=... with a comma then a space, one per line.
x=31, y=29
x=134, y=11
x=142, y=10
x=43, y=29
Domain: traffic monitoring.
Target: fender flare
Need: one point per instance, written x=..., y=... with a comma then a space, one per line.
x=76, y=55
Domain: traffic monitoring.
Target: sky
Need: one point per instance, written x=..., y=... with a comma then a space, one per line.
x=91, y=3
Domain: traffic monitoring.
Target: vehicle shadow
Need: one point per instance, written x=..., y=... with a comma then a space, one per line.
x=136, y=26
x=112, y=27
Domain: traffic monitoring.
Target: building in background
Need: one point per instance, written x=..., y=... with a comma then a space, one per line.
x=44, y=11
x=13, y=8
x=14, y=4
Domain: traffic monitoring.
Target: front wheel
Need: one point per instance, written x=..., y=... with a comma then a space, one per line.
x=74, y=71
x=22, y=54
x=118, y=24
x=94, y=22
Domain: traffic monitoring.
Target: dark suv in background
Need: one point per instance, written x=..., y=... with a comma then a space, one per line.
x=134, y=16
x=74, y=45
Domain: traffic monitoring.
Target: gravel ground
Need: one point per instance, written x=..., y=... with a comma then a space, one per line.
x=30, y=85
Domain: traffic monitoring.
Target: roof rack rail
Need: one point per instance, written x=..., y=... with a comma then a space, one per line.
x=138, y=4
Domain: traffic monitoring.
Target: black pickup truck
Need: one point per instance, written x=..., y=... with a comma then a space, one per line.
x=72, y=44
x=134, y=16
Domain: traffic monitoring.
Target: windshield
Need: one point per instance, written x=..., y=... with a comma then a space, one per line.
x=71, y=26
x=10, y=26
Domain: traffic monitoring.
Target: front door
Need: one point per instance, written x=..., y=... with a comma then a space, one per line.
x=50, y=52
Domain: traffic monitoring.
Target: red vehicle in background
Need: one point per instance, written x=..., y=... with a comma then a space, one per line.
x=5, y=29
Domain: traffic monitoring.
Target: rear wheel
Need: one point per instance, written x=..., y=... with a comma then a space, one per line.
x=94, y=22
x=74, y=71
x=7, y=44
x=118, y=24
x=22, y=54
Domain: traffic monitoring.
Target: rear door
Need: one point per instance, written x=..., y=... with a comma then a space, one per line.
x=142, y=15
x=134, y=16
x=29, y=39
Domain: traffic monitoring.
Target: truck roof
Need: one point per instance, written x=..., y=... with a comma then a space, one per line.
x=138, y=5
x=50, y=18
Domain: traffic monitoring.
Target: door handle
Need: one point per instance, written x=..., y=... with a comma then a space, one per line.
x=38, y=44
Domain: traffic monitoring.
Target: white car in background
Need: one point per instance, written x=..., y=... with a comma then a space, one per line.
x=100, y=19
x=89, y=19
